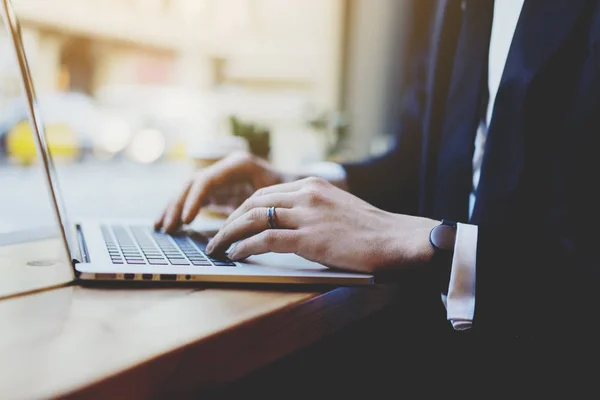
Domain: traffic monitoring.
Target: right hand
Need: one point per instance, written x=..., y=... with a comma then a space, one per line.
x=228, y=182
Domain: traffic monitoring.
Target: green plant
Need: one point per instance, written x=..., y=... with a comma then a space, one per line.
x=258, y=137
x=333, y=125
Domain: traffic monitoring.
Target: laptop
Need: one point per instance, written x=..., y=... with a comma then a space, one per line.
x=122, y=250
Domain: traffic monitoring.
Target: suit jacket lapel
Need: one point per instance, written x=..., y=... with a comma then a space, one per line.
x=542, y=28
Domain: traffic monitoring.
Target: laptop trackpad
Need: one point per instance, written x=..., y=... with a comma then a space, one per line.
x=285, y=261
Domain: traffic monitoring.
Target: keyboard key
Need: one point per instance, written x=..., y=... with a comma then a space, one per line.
x=179, y=262
x=218, y=258
x=170, y=252
x=158, y=262
x=136, y=262
x=197, y=257
x=201, y=263
x=224, y=264
x=168, y=249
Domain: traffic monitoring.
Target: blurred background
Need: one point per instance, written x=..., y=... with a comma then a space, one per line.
x=136, y=94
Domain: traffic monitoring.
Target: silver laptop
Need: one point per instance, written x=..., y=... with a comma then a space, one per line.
x=129, y=250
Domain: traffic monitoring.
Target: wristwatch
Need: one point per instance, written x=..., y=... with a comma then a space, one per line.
x=443, y=238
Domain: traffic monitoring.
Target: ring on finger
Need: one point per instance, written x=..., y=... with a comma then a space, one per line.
x=272, y=218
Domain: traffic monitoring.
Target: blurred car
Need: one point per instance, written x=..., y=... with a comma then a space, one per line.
x=75, y=126
x=21, y=146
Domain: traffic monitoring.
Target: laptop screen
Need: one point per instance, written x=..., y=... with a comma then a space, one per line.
x=14, y=30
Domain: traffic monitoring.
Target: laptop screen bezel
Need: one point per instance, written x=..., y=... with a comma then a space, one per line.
x=14, y=30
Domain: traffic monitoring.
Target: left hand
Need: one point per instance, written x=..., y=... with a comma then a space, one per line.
x=328, y=225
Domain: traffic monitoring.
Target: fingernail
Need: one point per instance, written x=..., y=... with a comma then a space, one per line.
x=209, y=246
x=234, y=254
x=231, y=251
x=185, y=214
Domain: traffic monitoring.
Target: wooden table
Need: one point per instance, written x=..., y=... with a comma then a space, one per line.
x=140, y=342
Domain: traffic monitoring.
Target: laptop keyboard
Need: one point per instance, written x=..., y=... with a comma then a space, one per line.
x=143, y=246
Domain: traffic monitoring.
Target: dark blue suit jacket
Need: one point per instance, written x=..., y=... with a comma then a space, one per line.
x=538, y=258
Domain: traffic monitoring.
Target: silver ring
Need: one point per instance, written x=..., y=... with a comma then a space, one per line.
x=272, y=217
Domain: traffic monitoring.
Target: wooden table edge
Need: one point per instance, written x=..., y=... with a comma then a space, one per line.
x=241, y=348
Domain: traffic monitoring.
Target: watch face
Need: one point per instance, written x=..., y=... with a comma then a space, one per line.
x=443, y=237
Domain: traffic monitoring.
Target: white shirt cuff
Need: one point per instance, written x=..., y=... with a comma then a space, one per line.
x=460, y=302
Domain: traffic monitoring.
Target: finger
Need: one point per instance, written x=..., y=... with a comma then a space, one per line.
x=160, y=220
x=211, y=177
x=280, y=188
x=173, y=215
x=196, y=198
x=232, y=196
x=252, y=222
x=282, y=200
x=272, y=240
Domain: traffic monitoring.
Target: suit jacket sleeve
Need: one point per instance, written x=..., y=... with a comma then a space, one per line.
x=391, y=181
x=534, y=281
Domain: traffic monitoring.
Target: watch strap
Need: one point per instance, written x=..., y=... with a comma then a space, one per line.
x=442, y=238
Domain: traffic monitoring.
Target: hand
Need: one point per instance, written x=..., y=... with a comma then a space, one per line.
x=226, y=183
x=323, y=223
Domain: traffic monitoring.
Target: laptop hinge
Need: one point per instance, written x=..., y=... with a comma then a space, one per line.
x=83, y=256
